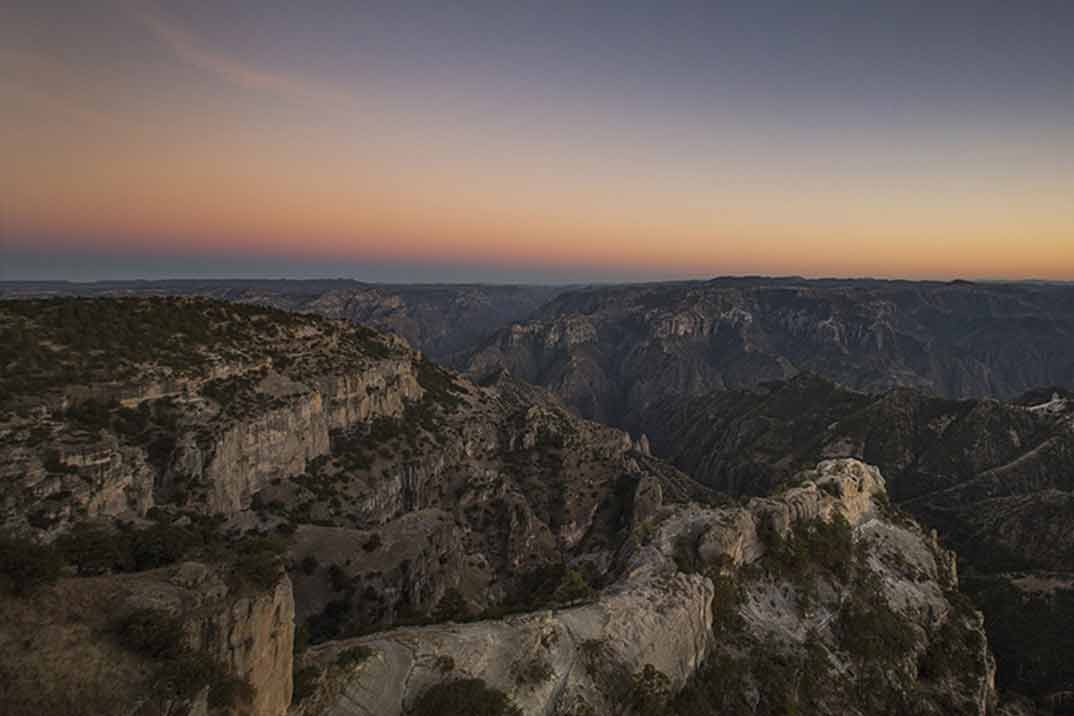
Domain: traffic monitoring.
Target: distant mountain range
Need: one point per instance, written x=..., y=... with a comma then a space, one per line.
x=439, y=319
x=611, y=352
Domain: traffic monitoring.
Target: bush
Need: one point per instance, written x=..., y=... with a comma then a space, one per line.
x=353, y=656
x=185, y=676
x=873, y=632
x=159, y=545
x=813, y=547
x=26, y=566
x=651, y=692
x=572, y=589
x=331, y=622
x=532, y=671
x=260, y=560
x=373, y=543
x=152, y=633
x=95, y=550
x=452, y=607
x=464, y=697
x=231, y=693
x=309, y=565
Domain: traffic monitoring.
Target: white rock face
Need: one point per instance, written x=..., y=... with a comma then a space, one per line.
x=250, y=632
x=664, y=621
x=654, y=615
x=280, y=442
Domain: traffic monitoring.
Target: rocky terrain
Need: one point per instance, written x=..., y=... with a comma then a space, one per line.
x=214, y=507
x=994, y=478
x=812, y=601
x=611, y=352
x=440, y=320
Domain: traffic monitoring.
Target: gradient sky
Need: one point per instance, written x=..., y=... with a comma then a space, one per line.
x=542, y=141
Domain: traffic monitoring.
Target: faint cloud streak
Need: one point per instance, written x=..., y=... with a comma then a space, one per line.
x=192, y=51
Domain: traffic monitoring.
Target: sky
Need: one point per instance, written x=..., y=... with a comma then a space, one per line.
x=544, y=141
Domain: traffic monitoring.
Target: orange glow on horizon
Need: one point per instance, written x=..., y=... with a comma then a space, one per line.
x=243, y=159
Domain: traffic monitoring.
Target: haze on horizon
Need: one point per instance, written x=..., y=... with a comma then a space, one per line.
x=560, y=142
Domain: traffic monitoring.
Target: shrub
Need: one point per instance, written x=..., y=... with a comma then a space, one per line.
x=231, y=693
x=464, y=697
x=152, y=633
x=373, y=543
x=331, y=622
x=452, y=607
x=532, y=671
x=572, y=589
x=183, y=677
x=259, y=560
x=26, y=566
x=95, y=550
x=813, y=546
x=159, y=545
x=309, y=565
x=353, y=656
x=338, y=578
x=872, y=631
x=650, y=693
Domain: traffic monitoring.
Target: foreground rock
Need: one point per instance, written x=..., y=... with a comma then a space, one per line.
x=819, y=581
x=205, y=642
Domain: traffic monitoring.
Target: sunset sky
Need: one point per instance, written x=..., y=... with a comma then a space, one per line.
x=545, y=141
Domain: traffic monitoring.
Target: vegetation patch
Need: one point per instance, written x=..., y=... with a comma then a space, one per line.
x=349, y=658
x=464, y=697
x=26, y=566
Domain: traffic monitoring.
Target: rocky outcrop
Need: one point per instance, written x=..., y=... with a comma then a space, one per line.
x=53, y=478
x=658, y=618
x=992, y=477
x=248, y=631
x=281, y=442
x=250, y=634
x=208, y=430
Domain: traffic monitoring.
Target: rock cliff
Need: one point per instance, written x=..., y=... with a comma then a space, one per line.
x=208, y=419
x=696, y=585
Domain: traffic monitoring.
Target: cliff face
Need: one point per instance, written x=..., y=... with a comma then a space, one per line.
x=610, y=353
x=250, y=453
x=209, y=424
x=251, y=635
x=697, y=584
